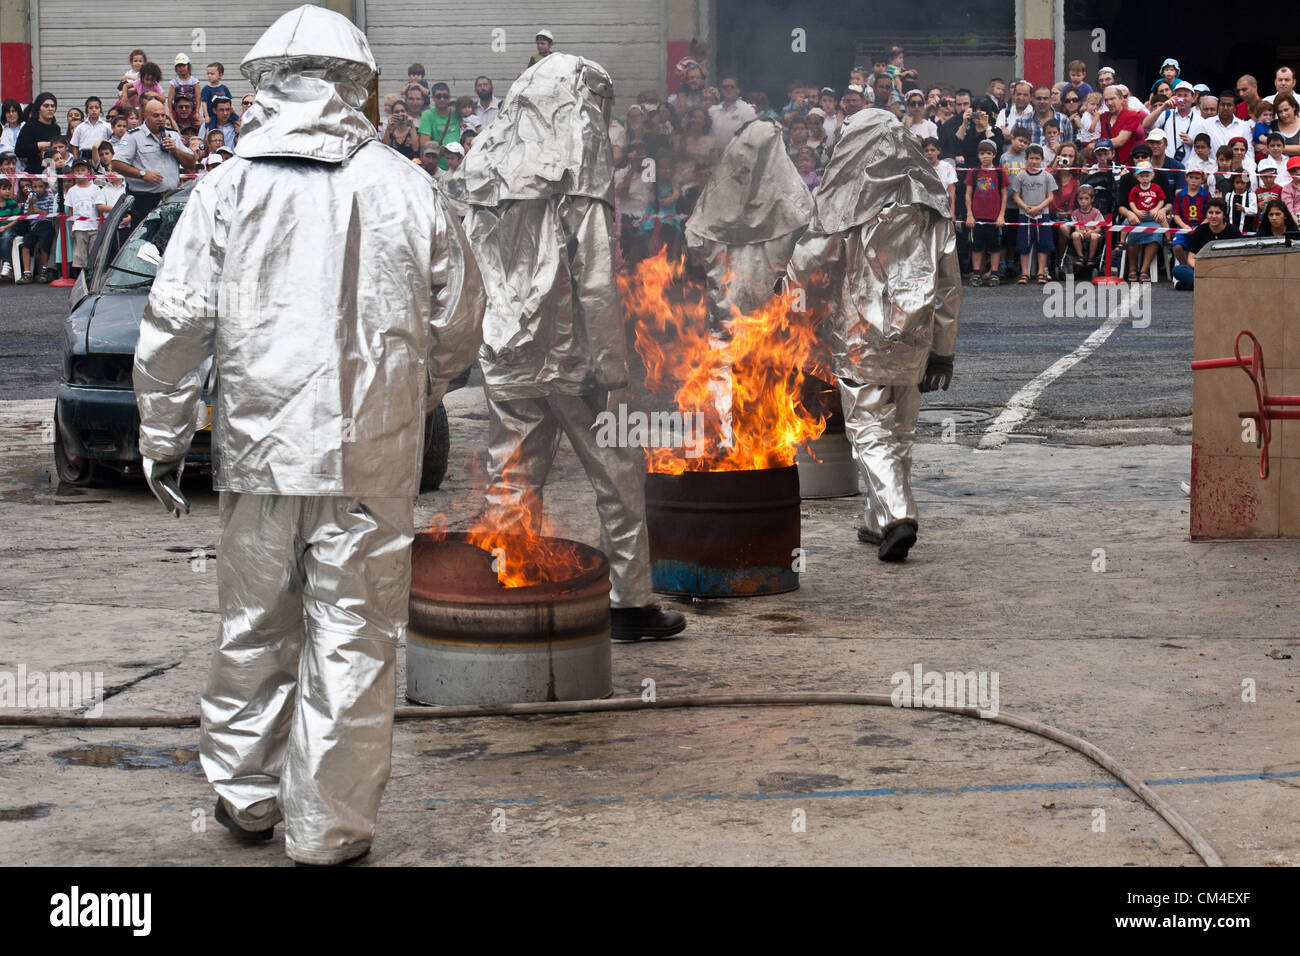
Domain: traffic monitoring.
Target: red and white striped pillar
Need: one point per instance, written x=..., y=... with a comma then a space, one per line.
x=1039, y=40
x=15, y=51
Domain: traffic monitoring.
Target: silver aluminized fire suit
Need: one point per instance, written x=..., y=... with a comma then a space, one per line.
x=881, y=248
x=540, y=186
x=338, y=296
x=742, y=231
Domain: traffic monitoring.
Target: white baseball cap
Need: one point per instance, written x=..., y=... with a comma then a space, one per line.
x=1157, y=134
x=545, y=35
x=456, y=148
x=1184, y=85
x=182, y=58
x=1267, y=166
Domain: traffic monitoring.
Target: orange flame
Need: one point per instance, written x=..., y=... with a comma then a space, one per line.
x=513, y=529
x=761, y=365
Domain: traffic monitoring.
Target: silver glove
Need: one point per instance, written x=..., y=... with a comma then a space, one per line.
x=164, y=478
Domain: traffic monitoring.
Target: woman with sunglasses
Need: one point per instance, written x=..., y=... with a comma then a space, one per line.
x=1072, y=110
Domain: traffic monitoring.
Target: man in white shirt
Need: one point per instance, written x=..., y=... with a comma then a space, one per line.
x=1179, y=121
x=485, y=110
x=1225, y=125
x=1283, y=82
x=1018, y=110
x=731, y=114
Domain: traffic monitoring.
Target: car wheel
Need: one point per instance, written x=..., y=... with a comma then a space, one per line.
x=71, y=470
x=437, y=448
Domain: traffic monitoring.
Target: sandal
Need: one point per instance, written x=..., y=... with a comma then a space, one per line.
x=1145, y=277
x=1042, y=278
x=1023, y=280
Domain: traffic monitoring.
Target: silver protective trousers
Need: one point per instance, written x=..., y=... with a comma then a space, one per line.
x=880, y=422
x=523, y=436
x=299, y=703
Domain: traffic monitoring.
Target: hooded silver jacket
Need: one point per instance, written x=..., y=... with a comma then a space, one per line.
x=881, y=253
x=540, y=186
x=746, y=222
x=324, y=273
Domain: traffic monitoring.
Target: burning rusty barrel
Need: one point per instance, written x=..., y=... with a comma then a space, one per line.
x=473, y=641
x=827, y=468
x=724, y=533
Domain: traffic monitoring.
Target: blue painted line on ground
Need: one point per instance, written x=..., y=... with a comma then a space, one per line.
x=874, y=792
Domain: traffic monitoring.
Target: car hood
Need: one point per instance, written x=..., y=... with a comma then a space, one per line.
x=114, y=322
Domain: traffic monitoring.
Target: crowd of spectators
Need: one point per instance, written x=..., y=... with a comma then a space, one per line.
x=1032, y=172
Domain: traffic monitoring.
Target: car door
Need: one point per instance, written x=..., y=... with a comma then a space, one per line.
x=102, y=251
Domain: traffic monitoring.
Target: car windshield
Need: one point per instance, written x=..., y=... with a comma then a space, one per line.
x=137, y=263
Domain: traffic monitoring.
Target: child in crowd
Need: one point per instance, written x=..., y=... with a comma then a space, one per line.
x=182, y=83
x=415, y=74
x=90, y=132
x=1052, y=136
x=1263, y=126
x=1086, y=229
x=1144, y=205
x=136, y=59
x=1078, y=71
x=1201, y=158
x=1090, y=122
x=39, y=240
x=986, y=209
x=81, y=200
x=150, y=82
x=1241, y=204
x=9, y=208
x=1276, y=142
x=1013, y=160
x=806, y=162
x=120, y=127
x=1188, y=211
x=214, y=141
x=947, y=174
x=1032, y=189
x=1291, y=191
x=214, y=87
x=1221, y=184
x=103, y=165
x=1268, y=188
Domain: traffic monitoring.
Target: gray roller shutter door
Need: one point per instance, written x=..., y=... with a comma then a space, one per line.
x=83, y=44
x=454, y=41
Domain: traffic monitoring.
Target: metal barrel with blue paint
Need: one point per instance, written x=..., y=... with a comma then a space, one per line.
x=724, y=533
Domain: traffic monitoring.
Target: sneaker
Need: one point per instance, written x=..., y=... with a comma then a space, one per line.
x=48, y=275
x=992, y=279
x=1181, y=286
x=24, y=278
x=7, y=271
x=634, y=623
x=976, y=280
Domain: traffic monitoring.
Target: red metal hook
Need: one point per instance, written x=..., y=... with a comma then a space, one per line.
x=1270, y=407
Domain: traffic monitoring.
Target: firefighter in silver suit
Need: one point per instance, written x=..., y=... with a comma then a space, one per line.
x=324, y=274
x=881, y=255
x=539, y=184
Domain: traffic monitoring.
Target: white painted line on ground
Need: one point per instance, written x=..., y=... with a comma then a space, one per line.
x=1021, y=406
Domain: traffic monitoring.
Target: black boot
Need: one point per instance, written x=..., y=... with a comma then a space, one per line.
x=897, y=542
x=634, y=623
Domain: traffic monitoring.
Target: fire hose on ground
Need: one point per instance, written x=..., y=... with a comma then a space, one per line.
x=1098, y=756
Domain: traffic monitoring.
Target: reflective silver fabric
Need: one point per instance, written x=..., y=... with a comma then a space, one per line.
x=539, y=184
x=554, y=323
x=877, y=161
x=530, y=429
x=299, y=701
x=748, y=217
x=324, y=274
x=550, y=138
x=881, y=255
x=339, y=299
x=880, y=422
x=894, y=291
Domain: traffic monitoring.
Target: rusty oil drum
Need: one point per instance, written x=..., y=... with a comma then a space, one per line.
x=724, y=533
x=470, y=641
